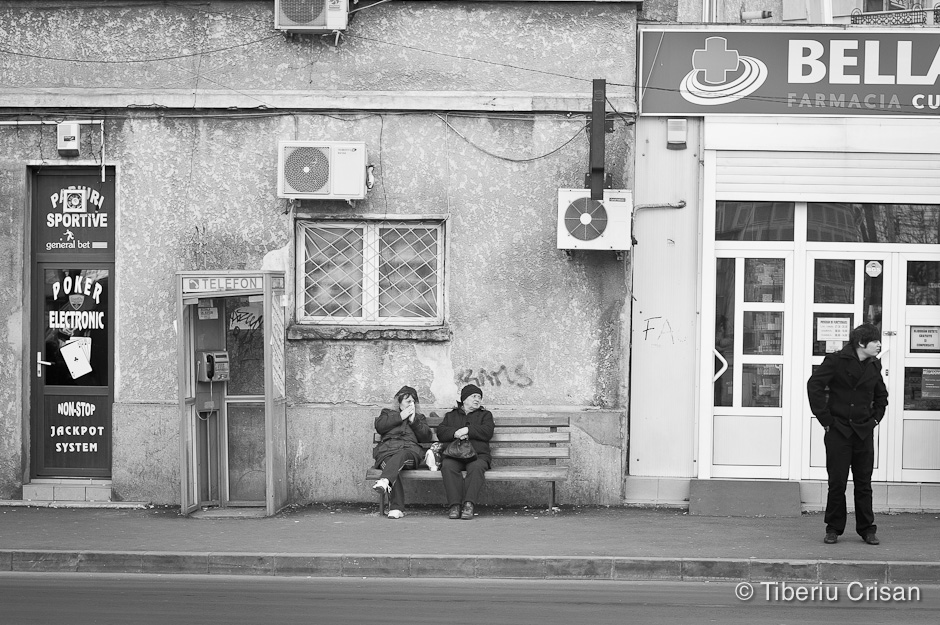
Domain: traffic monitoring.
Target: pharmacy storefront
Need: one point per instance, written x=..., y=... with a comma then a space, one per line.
x=809, y=163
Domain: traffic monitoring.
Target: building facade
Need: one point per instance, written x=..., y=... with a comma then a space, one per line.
x=145, y=142
x=808, y=157
x=142, y=139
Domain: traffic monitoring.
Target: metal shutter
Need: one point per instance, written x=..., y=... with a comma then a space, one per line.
x=828, y=176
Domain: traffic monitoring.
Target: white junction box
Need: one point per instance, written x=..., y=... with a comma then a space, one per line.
x=68, y=138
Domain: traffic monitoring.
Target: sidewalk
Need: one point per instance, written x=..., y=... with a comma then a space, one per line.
x=576, y=543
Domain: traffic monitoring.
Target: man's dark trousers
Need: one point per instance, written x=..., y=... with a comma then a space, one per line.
x=843, y=452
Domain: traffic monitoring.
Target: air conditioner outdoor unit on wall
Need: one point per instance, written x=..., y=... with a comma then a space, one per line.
x=586, y=224
x=321, y=170
x=311, y=16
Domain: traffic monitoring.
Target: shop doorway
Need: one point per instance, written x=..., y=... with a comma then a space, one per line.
x=72, y=330
x=789, y=282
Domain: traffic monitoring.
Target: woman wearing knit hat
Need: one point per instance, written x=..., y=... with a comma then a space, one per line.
x=402, y=427
x=469, y=420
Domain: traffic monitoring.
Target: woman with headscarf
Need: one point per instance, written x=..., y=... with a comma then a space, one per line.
x=402, y=428
x=469, y=421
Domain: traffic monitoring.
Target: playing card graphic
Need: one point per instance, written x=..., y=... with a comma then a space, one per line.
x=76, y=353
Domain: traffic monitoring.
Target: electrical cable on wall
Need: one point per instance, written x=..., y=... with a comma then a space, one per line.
x=646, y=87
x=150, y=60
x=507, y=158
x=368, y=6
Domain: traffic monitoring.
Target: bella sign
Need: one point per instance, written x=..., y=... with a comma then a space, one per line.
x=788, y=71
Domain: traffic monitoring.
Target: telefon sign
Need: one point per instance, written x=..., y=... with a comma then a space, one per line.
x=788, y=71
x=209, y=284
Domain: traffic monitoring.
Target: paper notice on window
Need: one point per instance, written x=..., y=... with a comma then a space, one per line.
x=925, y=339
x=76, y=358
x=930, y=384
x=833, y=328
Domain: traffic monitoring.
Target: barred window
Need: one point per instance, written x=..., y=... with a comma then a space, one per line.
x=370, y=273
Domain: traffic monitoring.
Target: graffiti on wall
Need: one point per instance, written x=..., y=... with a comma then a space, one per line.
x=495, y=377
x=658, y=330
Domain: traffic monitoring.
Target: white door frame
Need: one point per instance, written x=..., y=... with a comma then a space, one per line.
x=909, y=315
x=812, y=435
x=798, y=423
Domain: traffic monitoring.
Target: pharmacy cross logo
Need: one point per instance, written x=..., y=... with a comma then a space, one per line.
x=709, y=84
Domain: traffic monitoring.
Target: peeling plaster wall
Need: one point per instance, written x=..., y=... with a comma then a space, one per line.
x=12, y=351
x=381, y=49
x=523, y=318
x=197, y=190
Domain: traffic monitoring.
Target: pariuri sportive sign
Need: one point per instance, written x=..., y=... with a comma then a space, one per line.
x=788, y=71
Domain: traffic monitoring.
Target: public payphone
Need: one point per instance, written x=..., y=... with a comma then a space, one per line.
x=233, y=432
x=212, y=366
x=212, y=372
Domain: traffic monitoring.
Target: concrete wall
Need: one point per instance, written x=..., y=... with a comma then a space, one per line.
x=193, y=134
x=13, y=326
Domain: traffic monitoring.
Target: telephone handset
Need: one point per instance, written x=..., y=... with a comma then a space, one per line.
x=212, y=366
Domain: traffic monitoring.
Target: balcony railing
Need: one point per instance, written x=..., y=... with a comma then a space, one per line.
x=914, y=16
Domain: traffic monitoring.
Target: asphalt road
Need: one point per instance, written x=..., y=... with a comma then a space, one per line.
x=78, y=599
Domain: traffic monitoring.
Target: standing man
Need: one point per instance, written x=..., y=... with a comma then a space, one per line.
x=848, y=396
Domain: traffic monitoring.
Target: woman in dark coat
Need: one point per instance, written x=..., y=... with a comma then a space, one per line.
x=469, y=420
x=402, y=428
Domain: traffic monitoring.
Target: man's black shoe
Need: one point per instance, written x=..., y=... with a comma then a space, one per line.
x=871, y=539
x=454, y=512
x=467, y=514
x=831, y=538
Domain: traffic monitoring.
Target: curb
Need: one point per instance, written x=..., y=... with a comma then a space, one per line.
x=468, y=566
x=106, y=505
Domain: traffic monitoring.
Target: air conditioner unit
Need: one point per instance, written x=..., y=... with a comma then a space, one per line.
x=586, y=224
x=311, y=16
x=321, y=170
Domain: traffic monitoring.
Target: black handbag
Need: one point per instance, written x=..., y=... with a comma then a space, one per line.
x=461, y=449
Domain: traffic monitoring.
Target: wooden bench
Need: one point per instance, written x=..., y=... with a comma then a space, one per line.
x=539, y=443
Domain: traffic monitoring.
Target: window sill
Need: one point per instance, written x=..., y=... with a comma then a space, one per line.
x=297, y=332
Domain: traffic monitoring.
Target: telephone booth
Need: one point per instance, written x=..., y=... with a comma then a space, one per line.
x=232, y=400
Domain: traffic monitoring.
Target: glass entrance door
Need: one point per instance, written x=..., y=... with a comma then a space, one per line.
x=914, y=391
x=843, y=264
x=71, y=383
x=843, y=290
x=751, y=408
x=899, y=293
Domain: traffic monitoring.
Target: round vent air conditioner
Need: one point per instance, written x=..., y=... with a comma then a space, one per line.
x=307, y=169
x=586, y=219
x=304, y=11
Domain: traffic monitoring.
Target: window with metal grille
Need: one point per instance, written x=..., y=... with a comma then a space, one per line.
x=370, y=273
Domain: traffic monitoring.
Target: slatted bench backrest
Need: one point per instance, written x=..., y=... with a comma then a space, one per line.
x=525, y=436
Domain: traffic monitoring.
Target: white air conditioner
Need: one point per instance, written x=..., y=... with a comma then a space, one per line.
x=586, y=224
x=321, y=170
x=311, y=16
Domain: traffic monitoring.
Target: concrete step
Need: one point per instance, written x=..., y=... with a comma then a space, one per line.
x=67, y=490
x=112, y=505
x=766, y=498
